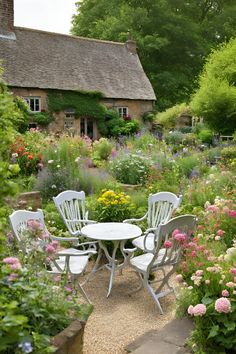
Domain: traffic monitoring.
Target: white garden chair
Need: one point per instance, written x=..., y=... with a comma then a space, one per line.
x=71, y=206
x=161, y=207
x=164, y=257
x=69, y=261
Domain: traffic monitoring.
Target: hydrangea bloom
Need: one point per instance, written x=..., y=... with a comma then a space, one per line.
x=225, y=293
x=198, y=310
x=223, y=305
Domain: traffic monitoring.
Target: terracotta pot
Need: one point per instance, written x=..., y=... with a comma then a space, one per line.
x=70, y=340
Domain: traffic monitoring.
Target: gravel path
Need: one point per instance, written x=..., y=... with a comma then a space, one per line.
x=118, y=320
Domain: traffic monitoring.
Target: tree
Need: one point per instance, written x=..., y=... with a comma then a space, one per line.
x=173, y=36
x=215, y=100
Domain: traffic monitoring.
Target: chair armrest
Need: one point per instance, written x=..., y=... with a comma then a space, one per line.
x=151, y=229
x=129, y=250
x=135, y=220
x=65, y=239
x=74, y=252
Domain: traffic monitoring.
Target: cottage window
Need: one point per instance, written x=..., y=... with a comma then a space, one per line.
x=86, y=127
x=123, y=111
x=69, y=120
x=34, y=103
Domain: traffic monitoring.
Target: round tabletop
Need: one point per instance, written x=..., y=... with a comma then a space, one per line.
x=111, y=231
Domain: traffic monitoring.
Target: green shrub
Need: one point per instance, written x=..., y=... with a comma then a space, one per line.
x=169, y=116
x=42, y=118
x=206, y=136
x=130, y=169
x=174, y=137
x=229, y=152
x=101, y=150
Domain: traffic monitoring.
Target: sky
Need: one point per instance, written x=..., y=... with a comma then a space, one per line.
x=46, y=15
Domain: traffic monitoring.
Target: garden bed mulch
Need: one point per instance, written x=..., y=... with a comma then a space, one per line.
x=120, y=319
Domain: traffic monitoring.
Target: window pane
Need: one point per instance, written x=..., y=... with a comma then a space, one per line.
x=82, y=126
x=32, y=105
x=36, y=106
x=90, y=128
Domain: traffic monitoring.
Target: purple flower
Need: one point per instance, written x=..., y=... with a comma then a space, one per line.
x=26, y=347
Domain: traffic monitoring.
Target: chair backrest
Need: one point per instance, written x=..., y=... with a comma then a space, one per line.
x=20, y=218
x=71, y=206
x=172, y=236
x=161, y=206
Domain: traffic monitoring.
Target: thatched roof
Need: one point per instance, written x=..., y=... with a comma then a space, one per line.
x=45, y=60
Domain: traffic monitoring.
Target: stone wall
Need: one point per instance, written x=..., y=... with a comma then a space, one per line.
x=136, y=108
x=70, y=340
x=31, y=92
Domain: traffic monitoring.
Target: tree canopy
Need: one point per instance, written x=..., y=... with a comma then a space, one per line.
x=215, y=100
x=173, y=36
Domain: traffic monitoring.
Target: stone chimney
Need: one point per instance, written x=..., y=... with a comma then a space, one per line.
x=7, y=19
x=131, y=45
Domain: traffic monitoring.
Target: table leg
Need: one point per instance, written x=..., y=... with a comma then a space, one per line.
x=112, y=261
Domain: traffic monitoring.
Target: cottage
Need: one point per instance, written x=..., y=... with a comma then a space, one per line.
x=47, y=68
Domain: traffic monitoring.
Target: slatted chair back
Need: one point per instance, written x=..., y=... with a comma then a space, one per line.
x=172, y=236
x=19, y=221
x=71, y=206
x=160, y=207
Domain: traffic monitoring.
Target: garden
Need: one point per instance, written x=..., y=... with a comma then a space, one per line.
x=117, y=176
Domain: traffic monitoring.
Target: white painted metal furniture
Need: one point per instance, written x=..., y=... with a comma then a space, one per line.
x=71, y=206
x=160, y=209
x=164, y=257
x=69, y=261
x=118, y=234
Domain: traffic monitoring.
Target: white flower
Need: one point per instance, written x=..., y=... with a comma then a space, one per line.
x=15, y=154
x=58, y=166
x=53, y=186
x=77, y=159
x=50, y=161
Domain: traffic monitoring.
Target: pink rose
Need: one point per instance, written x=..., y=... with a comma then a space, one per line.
x=34, y=224
x=225, y=293
x=167, y=244
x=232, y=213
x=176, y=231
x=220, y=232
x=223, y=305
x=198, y=310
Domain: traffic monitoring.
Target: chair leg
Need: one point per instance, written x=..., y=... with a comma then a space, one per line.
x=83, y=293
x=153, y=294
x=95, y=267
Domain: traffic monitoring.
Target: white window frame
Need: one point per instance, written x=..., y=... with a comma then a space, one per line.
x=123, y=111
x=28, y=100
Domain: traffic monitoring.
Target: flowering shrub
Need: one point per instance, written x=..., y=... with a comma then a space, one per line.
x=101, y=150
x=130, y=169
x=112, y=206
x=33, y=308
x=209, y=280
x=28, y=161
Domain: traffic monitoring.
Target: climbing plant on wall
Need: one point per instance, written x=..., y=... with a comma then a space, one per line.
x=85, y=104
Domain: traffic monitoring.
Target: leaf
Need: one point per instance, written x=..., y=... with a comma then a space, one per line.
x=207, y=300
x=214, y=331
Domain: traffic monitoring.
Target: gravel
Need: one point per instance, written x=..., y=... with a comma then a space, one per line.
x=125, y=315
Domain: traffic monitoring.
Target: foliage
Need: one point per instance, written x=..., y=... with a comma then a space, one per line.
x=173, y=37
x=208, y=275
x=229, y=152
x=174, y=137
x=42, y=118
x=85, y=105
x=27, y=315
x=144, y=141
x=123, y=127
x=148, y=117
x=130, y=169
x=113, y=206
x=215, y=99
x=101, y=150
x=206, y=135
x=169, y=116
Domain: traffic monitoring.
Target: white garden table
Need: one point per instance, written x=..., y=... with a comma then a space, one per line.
x=116, y=232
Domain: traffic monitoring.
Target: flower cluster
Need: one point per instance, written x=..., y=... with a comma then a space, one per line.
x=113, y=206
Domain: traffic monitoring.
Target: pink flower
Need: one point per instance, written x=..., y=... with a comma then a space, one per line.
x=217, y=238
x=198, y=310
x=193, y=253
x=54, y=244
x=200, y=227
x=232, y=213
x=167, y=244
x=230, y=284
x=12, y=277
x=179, y=278
x=57, y=278
x=180, y=237
x=212, y=208
x=45, y=235
x=176, y=231
x=225, y=293
x=68, y=289
x=220, y=232
x=13, y=262
x=223, y=305
x=190, y=310
x=50, y=248
x=199, y=272
x=34, y=224
x=225, y=209
x=233, y=271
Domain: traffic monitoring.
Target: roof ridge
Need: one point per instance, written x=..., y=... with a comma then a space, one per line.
x=69, y=35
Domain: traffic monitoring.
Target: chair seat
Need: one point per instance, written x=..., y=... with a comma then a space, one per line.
x=142, y=262
x=139, y=242
x=77, y=264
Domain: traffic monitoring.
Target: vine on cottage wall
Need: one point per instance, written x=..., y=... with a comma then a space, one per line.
x=85, y=104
